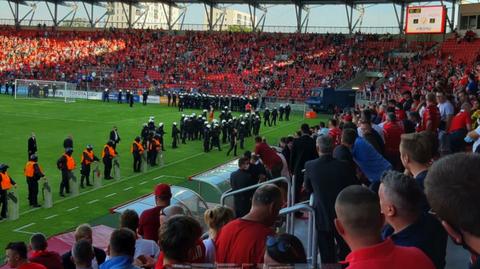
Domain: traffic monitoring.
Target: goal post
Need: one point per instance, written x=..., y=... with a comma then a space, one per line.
x=45, y=90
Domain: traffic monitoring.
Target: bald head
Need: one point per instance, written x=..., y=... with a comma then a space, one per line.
x=358, y=209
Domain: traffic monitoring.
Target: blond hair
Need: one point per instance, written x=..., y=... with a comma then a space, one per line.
x=217, y=217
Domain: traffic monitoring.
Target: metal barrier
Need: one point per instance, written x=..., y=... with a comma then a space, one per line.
x=275, y=180
x=312, y=248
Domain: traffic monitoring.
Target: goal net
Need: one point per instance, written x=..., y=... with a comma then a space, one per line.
x=45, y=89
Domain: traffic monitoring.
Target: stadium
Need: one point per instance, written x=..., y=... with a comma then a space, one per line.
x=134, y=136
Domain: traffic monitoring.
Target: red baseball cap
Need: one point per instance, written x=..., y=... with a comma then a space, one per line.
x=163, y=190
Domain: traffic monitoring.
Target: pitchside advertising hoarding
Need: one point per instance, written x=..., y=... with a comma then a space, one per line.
x=152, y=99
x=426, y=20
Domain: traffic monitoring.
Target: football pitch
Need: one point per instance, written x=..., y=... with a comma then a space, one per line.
x=90, y=122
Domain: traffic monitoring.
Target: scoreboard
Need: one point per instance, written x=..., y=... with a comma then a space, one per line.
x=426, y=19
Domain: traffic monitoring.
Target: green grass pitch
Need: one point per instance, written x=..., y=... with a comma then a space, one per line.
x=90, y=123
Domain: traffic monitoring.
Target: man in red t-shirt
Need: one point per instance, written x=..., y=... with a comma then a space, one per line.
x=431, y=115
x=359, y=221
x=16, y=256
x=150, y=219
x=242, y=241
x=460, y=126
x=392, y=132
x=334, y=132
x=269, y=157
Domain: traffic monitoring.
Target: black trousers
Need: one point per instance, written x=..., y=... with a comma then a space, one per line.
x=107, y=162
x=64, y=186
x=85, y=174
x=153, y=158
x=32, y=191
x=234, y=148
x=137, y=162
x=3, y=201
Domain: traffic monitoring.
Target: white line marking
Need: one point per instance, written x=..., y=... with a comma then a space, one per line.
x=73, y=208
x=142, y=183
x=19, y=230
x=25, y=226
x=110, y=195
x=93, y=201
x=129, y=188
x=52, y=216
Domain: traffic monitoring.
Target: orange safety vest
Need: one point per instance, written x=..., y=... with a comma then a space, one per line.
x=157, y=144
x=90, y=155
x=6, y=181
x=139, y=147
x=70, y=162
x=110, y=150
x=29, y=169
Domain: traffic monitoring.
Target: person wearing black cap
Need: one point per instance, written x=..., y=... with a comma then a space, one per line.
x=6, y=183
x=66, y=164
x=137, y=152
x=33, y=172
x=88, y=157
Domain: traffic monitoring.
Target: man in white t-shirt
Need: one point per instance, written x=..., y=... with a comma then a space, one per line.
x=474, y=136
x=446, y=111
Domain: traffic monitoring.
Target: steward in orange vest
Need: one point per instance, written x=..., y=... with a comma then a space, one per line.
x=6, y=183
x=66, y=164
x=88, y=157
x=154, y=147
x=108, y=154
x=33, y=172
x=137, y=151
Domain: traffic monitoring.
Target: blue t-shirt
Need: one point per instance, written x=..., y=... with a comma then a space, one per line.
x=372, y=164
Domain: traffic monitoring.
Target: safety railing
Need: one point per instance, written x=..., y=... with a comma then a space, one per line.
x=312, y=248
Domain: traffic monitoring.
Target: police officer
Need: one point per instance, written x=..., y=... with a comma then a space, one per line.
x=66, y=164
x=6, y=183
x=288, y=109
x=174, y=97
x=145, y=97
x=151, y=124
x=224, y=131
x=215, y=133
x=175, y=135
x=206, y=138
x=130, y=99
x=161, y=133
x=281, y=111
x=108, y=153
x=137, y=152
x=88, y=157
x=241, y=134
x=127, y=97
x=266, y=117
x=33, y=172
x=119, y=97
x=233, y=142
x=181, y=102
x=169, y=98
x=274, y=116
x=256, y=125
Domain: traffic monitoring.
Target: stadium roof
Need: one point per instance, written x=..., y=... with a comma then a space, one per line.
x=251, y=2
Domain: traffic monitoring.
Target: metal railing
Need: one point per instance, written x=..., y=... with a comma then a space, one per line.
x=312, y=245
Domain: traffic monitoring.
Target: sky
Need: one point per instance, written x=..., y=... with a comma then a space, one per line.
x=282, y=15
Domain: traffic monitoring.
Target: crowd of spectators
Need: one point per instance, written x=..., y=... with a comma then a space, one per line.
x=282, y=65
